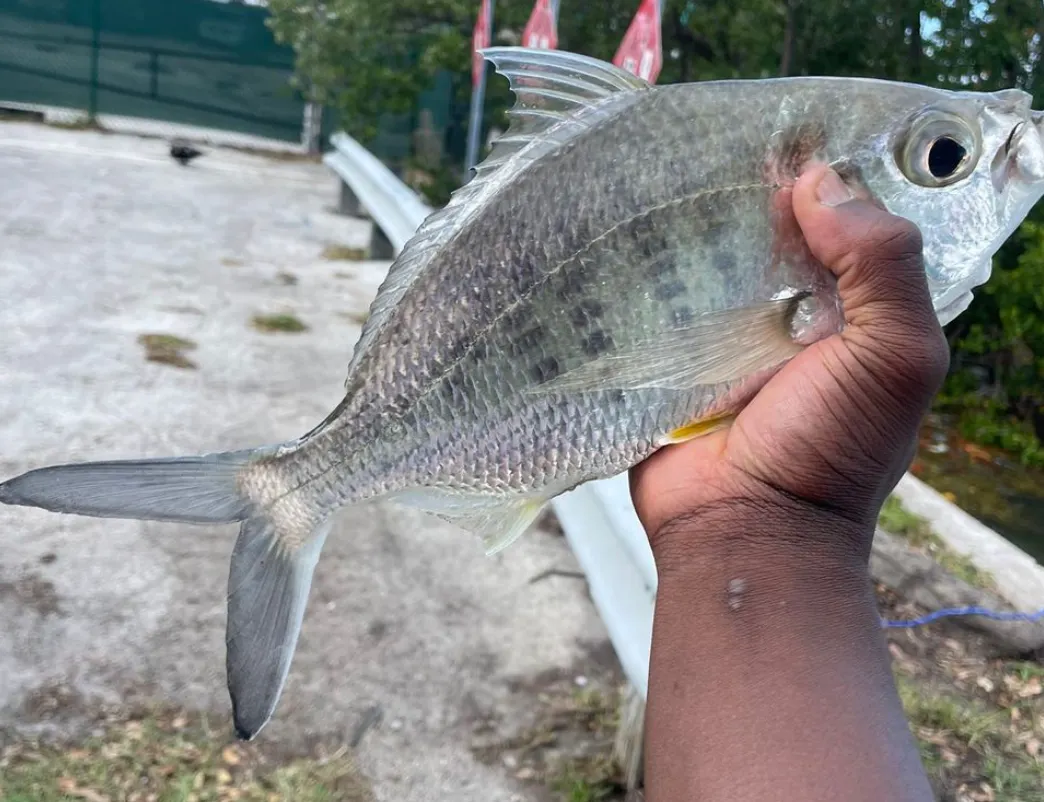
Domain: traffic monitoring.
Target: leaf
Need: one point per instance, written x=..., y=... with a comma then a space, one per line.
x=1031, y=688
x=68, y=786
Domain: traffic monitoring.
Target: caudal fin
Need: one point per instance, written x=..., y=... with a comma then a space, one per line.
x=270, y=576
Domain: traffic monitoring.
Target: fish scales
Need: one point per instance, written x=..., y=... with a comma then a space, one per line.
x=647, y=254
x=623, y=273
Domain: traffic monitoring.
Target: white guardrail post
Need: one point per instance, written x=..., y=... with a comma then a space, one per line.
x=598, y=518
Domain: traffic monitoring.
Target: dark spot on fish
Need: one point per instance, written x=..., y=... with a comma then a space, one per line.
x=546, y=369
x=377, y=629
x=598, y=342
x=397, y=405
x=456, y=352
x=479, y=350
x=642, y=226
x=530, y=337
x=724, y=262
x=682, y=316
x=668, y=290
x=616, y=396
x=517, y=319
x=648, y=240
x=584, y=312
x=662, y=265
x=526, y=268
x=576, y=276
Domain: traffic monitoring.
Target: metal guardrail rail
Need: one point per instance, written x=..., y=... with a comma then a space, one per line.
x=598, y=518
x=367, y=185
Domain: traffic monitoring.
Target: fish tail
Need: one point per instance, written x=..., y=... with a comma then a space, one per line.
x=282, y=531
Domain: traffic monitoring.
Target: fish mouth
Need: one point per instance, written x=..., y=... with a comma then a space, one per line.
x=1026, y=147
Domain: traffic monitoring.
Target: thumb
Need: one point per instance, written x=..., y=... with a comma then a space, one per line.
x=891, y=325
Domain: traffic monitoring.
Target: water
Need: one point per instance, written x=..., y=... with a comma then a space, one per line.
x=1005, y=496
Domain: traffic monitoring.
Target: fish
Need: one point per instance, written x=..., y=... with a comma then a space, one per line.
x=618, y=276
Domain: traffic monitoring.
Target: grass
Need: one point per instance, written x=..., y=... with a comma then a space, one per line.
x=980, y=746
x=950, y=715
x=896, y=519
x=568, y=749
x=171, y=757
x=167, y=349
x=587, y=779
x=275, y=323
x=343, y=253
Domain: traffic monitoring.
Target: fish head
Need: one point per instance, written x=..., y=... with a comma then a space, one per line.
x=966, y=168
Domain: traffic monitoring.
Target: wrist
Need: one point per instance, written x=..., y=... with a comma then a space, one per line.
x=769, y=676
x=784, y=536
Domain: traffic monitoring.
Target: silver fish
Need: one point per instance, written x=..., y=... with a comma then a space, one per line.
x=618, y=276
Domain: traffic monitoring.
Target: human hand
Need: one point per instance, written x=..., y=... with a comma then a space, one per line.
x=836, y=428
x=769, y=677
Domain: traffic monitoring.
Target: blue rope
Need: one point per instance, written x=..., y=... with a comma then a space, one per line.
x=962, y=611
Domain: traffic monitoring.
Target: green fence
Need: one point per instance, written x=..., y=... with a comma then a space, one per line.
x=194, y=62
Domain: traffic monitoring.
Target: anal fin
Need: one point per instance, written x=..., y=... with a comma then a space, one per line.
x=499, y=522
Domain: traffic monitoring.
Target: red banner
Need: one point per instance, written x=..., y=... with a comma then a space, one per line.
x=481, y=39
x=641, y=51
x=542, y=29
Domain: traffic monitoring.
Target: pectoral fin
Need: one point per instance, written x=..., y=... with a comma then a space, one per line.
x=717, y=347
x=697, y=428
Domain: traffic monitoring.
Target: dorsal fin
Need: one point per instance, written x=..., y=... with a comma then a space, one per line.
x=559, y=95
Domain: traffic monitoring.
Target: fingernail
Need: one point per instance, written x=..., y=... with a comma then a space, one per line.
x=832, y=191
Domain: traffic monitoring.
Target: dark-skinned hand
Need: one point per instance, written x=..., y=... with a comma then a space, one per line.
x=770, y=679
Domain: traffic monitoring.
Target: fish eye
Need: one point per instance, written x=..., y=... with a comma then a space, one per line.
x=940, y=149
x=945, y=157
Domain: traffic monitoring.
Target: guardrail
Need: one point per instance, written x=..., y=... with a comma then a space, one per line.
x=598, y=518
x=367, y=185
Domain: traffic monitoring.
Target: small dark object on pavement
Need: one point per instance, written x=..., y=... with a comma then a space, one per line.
x=183, y=152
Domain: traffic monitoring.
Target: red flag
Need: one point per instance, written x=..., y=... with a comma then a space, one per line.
x=641, y=51
x=542, y=29
x=481, y=39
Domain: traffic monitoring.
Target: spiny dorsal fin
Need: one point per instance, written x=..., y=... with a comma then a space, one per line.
x=552, y=89
x=559, y=95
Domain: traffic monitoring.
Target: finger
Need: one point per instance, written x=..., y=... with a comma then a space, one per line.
x=877, y=258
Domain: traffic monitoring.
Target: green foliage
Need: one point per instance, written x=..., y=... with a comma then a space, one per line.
x=898, y=520
x=996, y=385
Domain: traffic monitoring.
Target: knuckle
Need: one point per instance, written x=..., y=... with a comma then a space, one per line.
x=911, y=360
x=931, y=358
x=894, y=240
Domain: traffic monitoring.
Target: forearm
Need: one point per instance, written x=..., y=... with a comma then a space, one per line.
x=770, y=677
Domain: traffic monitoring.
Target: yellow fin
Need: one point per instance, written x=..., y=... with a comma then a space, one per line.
x=697, y=428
